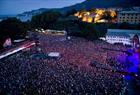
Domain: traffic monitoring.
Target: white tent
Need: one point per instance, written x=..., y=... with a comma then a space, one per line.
x=19, y=40
x=54, y=54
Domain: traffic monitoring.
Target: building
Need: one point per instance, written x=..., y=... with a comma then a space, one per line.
x=87, y=18
x=126, y=37
x=132, y=17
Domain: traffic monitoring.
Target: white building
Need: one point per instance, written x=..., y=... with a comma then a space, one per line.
x=132, y=17
x=121, y=36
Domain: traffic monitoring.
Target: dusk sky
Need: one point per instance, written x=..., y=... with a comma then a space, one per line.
x=8, y=7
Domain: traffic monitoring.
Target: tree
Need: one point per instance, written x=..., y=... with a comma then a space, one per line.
x=13, y=28
x=92, y=10
x=70, y=12
x=124, y=25
x=82, y=10
x=88, y=31
x=45, y=19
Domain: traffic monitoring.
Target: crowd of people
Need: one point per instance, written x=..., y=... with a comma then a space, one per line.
x=70, y=74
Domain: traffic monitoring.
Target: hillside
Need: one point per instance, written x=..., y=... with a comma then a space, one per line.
x=88, y=4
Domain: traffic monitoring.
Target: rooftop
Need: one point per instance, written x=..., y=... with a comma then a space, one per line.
x=122, y=32
x=127, y=12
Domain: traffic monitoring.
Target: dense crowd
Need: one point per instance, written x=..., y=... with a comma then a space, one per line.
x=71, y=74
